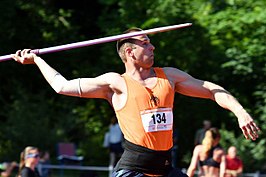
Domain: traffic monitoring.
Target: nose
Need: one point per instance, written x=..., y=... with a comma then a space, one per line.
x=152, y=47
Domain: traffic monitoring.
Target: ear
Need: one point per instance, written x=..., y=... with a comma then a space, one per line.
x=129, y=51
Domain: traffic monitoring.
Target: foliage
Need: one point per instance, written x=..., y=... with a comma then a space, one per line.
x=226, y=45
x=238, y=30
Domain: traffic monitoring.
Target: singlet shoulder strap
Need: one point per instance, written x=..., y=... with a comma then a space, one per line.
x=159, y=72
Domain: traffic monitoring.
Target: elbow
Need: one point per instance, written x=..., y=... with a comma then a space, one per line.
x=58, y=90
x=58, y=87
x=58, y=83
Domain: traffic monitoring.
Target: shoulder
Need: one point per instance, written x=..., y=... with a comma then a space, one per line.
x=176, y=75
x=170, y=70
x=112, y=78
x=25, y=172
x=198, y=148
x=201, y=130
x=111, y=75
x=219, y=150
x=239, y=160
x=25, y=169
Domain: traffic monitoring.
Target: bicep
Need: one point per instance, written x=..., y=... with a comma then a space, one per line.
x=98, y=87
x=194, y=88
x=187, y=85
x=94, y=87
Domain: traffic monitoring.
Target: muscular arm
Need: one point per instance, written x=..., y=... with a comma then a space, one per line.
x=187, y=85
x=99, y=87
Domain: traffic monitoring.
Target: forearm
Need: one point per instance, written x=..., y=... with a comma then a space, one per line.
x=56, y=80
x=222, y=97
x=222, y=172
x=227, y=101
x=222, y=167
x=190, y=172
x=47, y=71
x=239, y=171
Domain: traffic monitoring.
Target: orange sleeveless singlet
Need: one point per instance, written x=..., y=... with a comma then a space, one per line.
x=147, y=119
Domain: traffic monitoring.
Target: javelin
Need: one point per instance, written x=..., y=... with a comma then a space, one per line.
x=100, y=40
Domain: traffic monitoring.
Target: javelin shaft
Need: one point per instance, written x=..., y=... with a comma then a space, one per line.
x=100, y=40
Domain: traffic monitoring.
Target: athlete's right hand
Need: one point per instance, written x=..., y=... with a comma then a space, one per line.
x=24, y=56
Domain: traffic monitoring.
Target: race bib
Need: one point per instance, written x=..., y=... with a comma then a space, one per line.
x=160, y=119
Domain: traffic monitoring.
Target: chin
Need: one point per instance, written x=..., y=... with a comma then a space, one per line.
x=147, y=65
x=152, y=63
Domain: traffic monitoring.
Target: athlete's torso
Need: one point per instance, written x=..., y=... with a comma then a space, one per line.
x=146, y=119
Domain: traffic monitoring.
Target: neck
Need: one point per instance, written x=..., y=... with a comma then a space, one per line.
x=30, y=165
x=215, y=144
x=140, y=73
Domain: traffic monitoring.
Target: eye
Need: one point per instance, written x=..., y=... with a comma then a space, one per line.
x=145, y=43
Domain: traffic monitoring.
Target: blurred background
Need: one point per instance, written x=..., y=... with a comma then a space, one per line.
x=226, y=44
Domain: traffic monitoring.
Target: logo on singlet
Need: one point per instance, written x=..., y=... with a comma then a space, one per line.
x=155, y=100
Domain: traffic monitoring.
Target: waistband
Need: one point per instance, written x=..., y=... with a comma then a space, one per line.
x=144, y=160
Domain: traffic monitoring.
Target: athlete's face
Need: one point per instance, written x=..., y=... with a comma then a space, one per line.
x=142, y=52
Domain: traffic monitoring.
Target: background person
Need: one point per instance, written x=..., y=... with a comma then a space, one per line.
x=234, y=165
x=175, y=146
x=115, y=142
x=142, y=99
x=44, y=160
x=200, y=133
x=29, y=158
x=210, y=156
x=7, y=168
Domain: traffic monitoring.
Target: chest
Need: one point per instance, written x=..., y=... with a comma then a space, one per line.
x=151, y=94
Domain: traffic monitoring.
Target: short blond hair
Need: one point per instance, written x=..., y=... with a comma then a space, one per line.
x=124, y=43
